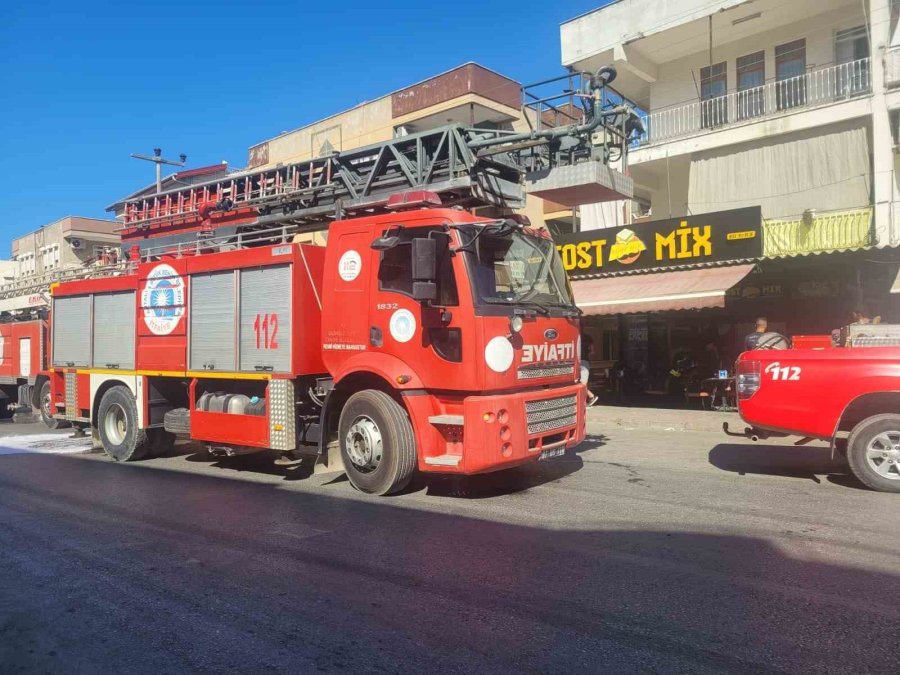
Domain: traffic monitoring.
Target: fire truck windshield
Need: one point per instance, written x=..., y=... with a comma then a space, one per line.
x=512, y=267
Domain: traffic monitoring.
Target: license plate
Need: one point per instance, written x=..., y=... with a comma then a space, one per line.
x=550, y=454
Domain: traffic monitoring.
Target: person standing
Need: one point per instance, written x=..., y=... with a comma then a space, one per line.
x=751, y=341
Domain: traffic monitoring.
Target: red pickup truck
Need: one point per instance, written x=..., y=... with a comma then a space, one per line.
x=848, y=395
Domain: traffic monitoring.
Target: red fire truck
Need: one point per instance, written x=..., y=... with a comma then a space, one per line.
x=847, y=395
x=22, y=357
x=421, y=337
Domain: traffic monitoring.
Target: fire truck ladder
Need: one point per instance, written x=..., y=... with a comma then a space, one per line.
x=32, y=293
x=465, y=166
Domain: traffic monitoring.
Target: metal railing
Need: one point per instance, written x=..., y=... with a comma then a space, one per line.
x=812, y=89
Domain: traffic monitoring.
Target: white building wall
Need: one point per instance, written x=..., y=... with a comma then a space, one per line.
x=679, y=81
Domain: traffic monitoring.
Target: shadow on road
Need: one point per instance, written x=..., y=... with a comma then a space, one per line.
x=804, y=462
x=242, y=576
x=482, y=486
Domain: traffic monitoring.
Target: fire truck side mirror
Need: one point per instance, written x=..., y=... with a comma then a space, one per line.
x=424, y=259
x=424, y=269
x=385, y=243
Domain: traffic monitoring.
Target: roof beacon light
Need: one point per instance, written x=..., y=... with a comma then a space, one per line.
x=413, y=199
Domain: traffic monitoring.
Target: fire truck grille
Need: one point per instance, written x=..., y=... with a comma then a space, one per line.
x=551, y=413
x=546, y=370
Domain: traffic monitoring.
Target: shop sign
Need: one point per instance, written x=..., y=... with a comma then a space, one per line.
x=710, y=237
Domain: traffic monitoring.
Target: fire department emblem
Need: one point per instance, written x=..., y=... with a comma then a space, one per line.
x=163, y=300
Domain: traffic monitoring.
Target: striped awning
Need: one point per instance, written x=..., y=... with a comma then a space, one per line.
x=663, y=291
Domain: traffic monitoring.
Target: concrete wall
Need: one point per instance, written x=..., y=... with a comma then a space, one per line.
x=626, y=20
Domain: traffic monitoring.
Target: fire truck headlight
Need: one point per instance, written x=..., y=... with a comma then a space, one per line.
x=515, y=324
x=499, y=354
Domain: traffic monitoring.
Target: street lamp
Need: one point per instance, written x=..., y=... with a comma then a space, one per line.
x=159, y=160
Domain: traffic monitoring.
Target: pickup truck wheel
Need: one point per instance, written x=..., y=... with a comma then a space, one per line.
x=377, y=443
x=117, y=423
x=874, y=452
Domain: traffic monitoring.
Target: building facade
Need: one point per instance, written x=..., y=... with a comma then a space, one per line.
x=788, y=108
x=68, y=243
x=471, y=95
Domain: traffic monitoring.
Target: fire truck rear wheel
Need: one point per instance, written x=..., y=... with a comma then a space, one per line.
x=377, y=443
x=874, y=452
x=117, y=423
x=47, y=410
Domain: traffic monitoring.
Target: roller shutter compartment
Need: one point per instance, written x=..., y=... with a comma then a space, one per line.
x=212, y=314
x=114, y=326
x=266, y=321
x=72, y=331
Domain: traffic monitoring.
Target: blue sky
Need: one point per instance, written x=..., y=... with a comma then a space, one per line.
x=87, y=83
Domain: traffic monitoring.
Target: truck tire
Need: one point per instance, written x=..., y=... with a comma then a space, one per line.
x=178, y=421
x=377, y=443
x=47, y=409
x=873, y=452
x=117, y=423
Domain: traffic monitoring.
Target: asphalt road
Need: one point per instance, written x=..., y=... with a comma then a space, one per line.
x=648, y=550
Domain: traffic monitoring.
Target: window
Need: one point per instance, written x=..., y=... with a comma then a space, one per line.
x=790, y=74
x=851, y=52
x=751, y=76
x=26, y=264
x=49, y=257
x=713, y=87
x=395, y=270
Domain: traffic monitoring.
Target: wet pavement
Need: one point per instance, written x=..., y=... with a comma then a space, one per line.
x=647, y=550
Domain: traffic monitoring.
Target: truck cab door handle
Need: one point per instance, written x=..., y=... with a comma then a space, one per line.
x=376, y=338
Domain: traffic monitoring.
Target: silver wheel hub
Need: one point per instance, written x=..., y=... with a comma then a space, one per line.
x=45, y=405
x=364, y=444
x=115, y=424
x=883, y=454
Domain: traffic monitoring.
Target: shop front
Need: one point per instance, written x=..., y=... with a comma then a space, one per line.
x=667, y=304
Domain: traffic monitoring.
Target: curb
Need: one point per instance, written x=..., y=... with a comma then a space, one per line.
x=661, y=419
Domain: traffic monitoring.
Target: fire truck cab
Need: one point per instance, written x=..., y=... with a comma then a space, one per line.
x=419, y=339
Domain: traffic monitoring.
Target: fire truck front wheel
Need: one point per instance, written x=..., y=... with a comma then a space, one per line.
x=873, y=452
x=377, y=443
x=117, y=423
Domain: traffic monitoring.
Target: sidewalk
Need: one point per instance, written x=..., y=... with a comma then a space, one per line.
x=660, y=419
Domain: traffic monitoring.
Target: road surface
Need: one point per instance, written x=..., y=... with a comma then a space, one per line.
x=648, y=550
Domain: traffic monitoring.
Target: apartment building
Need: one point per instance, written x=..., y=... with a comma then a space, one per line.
x=470, y=94
x=67, y=243
x=790, y=108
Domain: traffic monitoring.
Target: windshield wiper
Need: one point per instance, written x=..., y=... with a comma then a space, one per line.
x=499, y=301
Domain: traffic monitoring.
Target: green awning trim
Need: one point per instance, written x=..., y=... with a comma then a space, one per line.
x=834, y=231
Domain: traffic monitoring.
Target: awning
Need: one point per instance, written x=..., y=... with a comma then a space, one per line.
x=658, y=292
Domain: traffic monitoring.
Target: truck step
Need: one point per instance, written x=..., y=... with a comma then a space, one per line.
x=444, y=460
x=449, y=420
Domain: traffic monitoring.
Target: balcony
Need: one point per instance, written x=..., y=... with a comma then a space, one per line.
x=813, y=89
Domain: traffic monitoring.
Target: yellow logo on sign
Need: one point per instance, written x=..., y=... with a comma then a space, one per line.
x=628, y=247
x=749, y=234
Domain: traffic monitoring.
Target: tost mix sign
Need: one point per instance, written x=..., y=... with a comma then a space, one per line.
x=709, y=237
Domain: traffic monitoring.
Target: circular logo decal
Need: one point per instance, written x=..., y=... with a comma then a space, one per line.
x=403, y=325
x=350, y=265
x=163, y=300
x=499, y=354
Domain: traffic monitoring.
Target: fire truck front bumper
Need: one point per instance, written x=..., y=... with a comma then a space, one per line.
x=503, y=431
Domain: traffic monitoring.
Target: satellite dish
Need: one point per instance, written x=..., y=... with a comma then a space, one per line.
x=76, y=243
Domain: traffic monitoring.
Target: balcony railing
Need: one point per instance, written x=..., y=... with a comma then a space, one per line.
x=815, y=88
